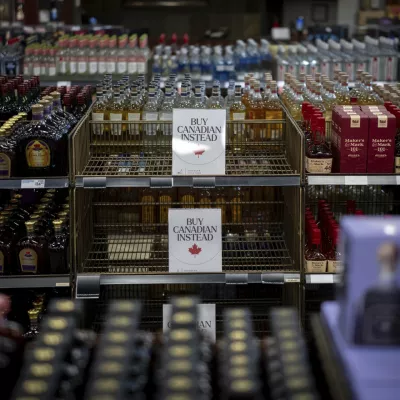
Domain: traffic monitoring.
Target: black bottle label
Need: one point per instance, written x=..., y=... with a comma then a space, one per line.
x=37, y=154
x=28, y=260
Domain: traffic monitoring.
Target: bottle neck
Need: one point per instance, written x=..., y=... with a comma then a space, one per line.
x=37, y=117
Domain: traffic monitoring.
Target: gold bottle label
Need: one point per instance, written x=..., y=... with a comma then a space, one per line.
x=28, y=260
x=5, y=166
x=1, y=262
x=187, y=201
x=37, y=154
x=319, y=165
x=148, y=209
x=333, y=266
x=165, y=203
x=205, y=202
x=316, y=266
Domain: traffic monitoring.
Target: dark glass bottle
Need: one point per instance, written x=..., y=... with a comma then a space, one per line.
x=32, y=252
x=7, y=156
x=49, y=118
x=7, y=242
x=58, y=250
x=58, y=110
x=5, y=103
x=23, y=100
x=33, y=324
x=41, y=151
x=81, y=108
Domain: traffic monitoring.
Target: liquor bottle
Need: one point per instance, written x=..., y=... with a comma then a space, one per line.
x=100, y=113
x=23, y=100
x=58, y=250
x=220, y=202
x=343, y=93
x=148, y=210
x=318, y=155
x=333, y=256
x=82, y=59
x=237, y=207
x=237, y=129
x=116, y=112
x=330, y=101
x=33, y=324
x=367, y=95
x=32, y=252
x=184, y=100
x=81, y=107
x=297, y=103
x=256, y=110
x=7, y=155
x=187, y=198
x=48, y=118
x=150, y=114
x=216, y=101
x=165, y=200
x=315, y=260
x=199, y=102
x=204, y=198
x=41, y=151
x=58, y=111
x=355, y=92
x=134, y=114
x=165, y=116
x=7, y=242
x=273, y=111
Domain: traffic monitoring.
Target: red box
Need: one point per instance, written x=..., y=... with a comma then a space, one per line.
x=381, y=143
x=349, y=141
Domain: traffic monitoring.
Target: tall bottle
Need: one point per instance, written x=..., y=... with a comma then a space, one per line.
x=134, y=115
x=58, y=250
x=116, y=112
x=99, y=113
x=330, y=101
x=150, y=114
x=237, y=129
x=256, y=110
x=297, y=102
x=215, y=101
x=343, y=94
x=166, y=116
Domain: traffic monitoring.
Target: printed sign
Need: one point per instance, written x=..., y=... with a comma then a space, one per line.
x=205, y=319
x=195, y=240
x=33, y=183
x=198, y=142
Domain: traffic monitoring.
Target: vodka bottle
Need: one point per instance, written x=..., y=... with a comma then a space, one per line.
x=122, y=54
x=82, y=59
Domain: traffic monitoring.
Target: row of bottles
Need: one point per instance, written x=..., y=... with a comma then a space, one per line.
x=34, y=237
x=40, y=147
x=89, y=55
x=133, y=103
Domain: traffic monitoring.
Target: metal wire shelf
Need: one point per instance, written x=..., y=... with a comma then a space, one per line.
x=270, y=148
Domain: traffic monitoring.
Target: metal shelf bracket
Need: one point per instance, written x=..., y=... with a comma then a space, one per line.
x=88, y=286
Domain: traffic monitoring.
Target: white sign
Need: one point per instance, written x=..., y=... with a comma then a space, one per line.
x=33, y=183
x=64, y=83
x=198, y=142
x=195, y=240
x=205, y=319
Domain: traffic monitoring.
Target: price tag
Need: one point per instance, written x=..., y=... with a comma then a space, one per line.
x=195, y=240
x=62, y=284
x=64, y=83
x=321, y=278
x=198, y=142
x=33, y=183
x=397, y=180
x=205, y=319
x=355, y=180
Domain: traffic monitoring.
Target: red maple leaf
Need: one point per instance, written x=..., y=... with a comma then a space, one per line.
x=198, y=153
x=194, y=250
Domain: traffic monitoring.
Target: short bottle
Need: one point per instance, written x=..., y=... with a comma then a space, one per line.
x=32, y=252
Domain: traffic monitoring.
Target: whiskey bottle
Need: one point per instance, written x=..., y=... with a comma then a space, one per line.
x=256, y=110
x=204, y=199
x=165, y=200
x=99, y=113
x=32, y=252
x=58, y=250
x=187, y=199
x=7, y=241
x=148, y=210
x=273, y=111
x=7, y=156
x=315, y=260
x=134, y=115
x=237, y=206
x=117, y=112
x=33, y=324
x=237, y=129
x=150, y=114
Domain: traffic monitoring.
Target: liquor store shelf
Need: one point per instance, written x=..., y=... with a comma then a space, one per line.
x=321, y=278
x=37, y=281
x=339, y=179
x=34, y=183
x=88, y=285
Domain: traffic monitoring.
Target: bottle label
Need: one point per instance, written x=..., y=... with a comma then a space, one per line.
x=28, y=260
x=92, y=67
x=43, y=69
x=82, y=67
x=1, y=262
x=111, y=67
x=98, y=128
x=52, y=70
x=389, y=69
x=397, y=164
x=134, y=129
x=37, y=154
x=319, y=165
x=36, y=70
x=121, y=67
x=116, y=129
x=315, y=266
x=238, y=128
x=141, y=67
x=239, y=116
x=382, y=121
x=132, y=67
x=355, y=121
x=5, y=166
x=350, y=71
x=102, y=67
x=167, y=127
x=166, y=116
x=63, y=67
x=333, y=266
x=150, y=129
x=72, y=67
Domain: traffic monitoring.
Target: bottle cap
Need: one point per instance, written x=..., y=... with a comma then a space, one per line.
x=33, y=313
x=37, y=109
x=57, y=223
x=55, y=95
x=44, y=102
x=30, y=224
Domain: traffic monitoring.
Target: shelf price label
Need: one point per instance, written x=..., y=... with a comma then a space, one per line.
x=198, y=142
x=33, y=183
x=195, y=240
x=205, y=319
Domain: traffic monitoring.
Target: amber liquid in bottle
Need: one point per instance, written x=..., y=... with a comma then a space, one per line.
x=165, y=200
x=187, y=200
x=148, y=210
x=237, y=207
x=256, y=110
x=273, y=111
x=32, y=252
x=204, y=199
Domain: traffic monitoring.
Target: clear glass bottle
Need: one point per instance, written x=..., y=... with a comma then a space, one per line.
x=367, y=96
x=134, y=115
x=93, y=57
x=33, y=324
x=215, y=101
x=237, y=132
x=273, y=111
x=112, y=55
x=343, y=94
x=62, y=57
x=122, y=55
x=330, y=101
x=82, y=56
x=117, y=112
x=166, y=116
x=99, y=112
x=256, y=110
x=198, y=98
x=184, y=101
x=73, y=53
x=296, y=109
x=150, y=113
